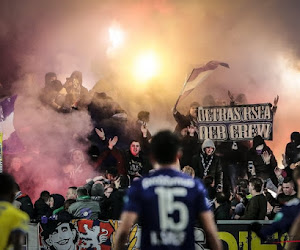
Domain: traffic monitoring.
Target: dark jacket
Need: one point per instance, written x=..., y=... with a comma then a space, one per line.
x=190, y=146
x=182, y=121
x=125, y=162
x=263, y=170
x=112, y=207
x=292, y=155
x=222, y=212
x=215, y=169
x=26, y=205
x=256, y=209
x=41, y=209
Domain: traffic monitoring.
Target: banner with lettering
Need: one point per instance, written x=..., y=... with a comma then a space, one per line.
x=92, y=235
x=235, y=123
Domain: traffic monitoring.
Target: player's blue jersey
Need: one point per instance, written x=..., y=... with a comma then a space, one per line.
x=168, y=203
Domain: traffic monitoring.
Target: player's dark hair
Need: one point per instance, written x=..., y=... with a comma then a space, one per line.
x=164, y=147
x=257, y=184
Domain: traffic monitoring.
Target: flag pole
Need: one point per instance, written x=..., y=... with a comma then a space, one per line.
x=184, y=84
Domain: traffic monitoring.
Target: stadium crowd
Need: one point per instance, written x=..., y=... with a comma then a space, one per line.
x=242, y=178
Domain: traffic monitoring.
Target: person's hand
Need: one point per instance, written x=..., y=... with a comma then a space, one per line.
x=191, y=130
x=266, y=157
x=236, y=217
x=100, y=133
x=277, y=171
x=112, y=142
x=276, y=209
x=98, y=178
x=88, y=180
x=144, y=130
x=276, y=99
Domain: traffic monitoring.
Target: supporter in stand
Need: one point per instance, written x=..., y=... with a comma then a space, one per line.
x=222, y=207
x=289, y=192
x=63, y=214
x=293, y=154
x=26, y=203
x=234, y=161
x=73, y=95
x=186, y=120
x=142, y=121
x=71, y=193
x=239, y=200
x=256, y=208
x=58, y=202
x=49, y=93
x=284, y=218
x=132, y=162
x=263, y=163
x=189, y=171
x=209, y=184
x=84, y=207
x=189, y=144
x=78, y=169
x=41, y=206
x=207, y=163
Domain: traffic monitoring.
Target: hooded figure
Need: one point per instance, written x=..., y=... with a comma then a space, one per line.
x=292, y=152
x=263, y=160
x=207, y=163
x=74, y=94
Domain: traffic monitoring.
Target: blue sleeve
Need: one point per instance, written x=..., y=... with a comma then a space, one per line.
x=132, y=200
x=202, y=204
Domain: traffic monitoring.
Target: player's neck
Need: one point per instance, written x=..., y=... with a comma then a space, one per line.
x=173, y=166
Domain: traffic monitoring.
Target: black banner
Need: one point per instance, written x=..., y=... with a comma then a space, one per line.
x=235, y=123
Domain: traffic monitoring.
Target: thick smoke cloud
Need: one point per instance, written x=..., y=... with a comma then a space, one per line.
x=258, y=39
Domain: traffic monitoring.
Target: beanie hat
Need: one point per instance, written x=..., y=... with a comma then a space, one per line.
x=208, y=143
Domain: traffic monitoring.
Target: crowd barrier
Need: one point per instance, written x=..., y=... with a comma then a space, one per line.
x=88, y=234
